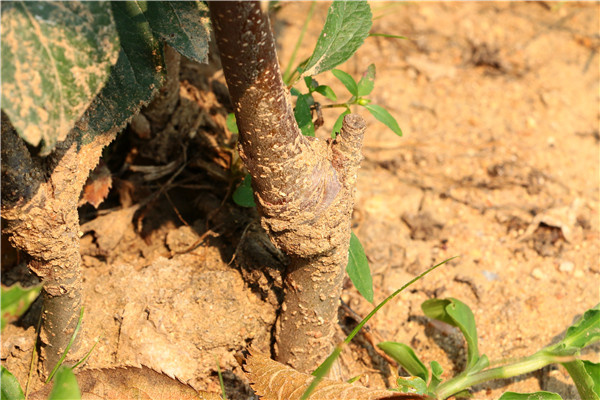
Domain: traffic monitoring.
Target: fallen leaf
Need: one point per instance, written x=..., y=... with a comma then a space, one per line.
x=97, y=186
x=129, y=383
x=274, y=381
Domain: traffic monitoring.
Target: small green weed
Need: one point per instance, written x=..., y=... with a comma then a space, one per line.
x=454, y=312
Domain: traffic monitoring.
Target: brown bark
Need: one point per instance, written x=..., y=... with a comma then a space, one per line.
x=303, y=186
x=39, y=203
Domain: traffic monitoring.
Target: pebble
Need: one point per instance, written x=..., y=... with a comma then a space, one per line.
x=566, y=266
x=538, y=274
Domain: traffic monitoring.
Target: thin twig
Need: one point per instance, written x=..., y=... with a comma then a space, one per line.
x=176, y=209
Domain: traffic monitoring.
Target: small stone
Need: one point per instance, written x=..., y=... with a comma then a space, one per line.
x=566, y=266
x=538, y=274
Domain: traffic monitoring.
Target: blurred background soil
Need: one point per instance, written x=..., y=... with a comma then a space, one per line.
x=498, y=164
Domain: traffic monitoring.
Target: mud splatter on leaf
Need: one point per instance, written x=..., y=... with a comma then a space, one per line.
x=56, y=56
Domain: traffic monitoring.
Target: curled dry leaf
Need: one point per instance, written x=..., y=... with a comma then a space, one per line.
x=274, y=381
x=130, y=383
x=97, y=186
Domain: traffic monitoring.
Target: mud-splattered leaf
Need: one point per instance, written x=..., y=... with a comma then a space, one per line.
x=65, y=385
x=358, y=269
x=412, y=384
x=346, y=27
x=16, y=300
x=9, y=386
x=530, y=396
x=56, y=56
x=131, y=383
x=97, y=186
x=274, y=381
x=367, y=81
x=134, y=79
x=184, y=25
x=303, y=115
x=384, y=116
x=244, y=195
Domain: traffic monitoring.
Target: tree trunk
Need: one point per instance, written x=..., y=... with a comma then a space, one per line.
x=304, y=187
x=39, y=203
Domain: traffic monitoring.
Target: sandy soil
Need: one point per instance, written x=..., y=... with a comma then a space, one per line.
x=499, y=165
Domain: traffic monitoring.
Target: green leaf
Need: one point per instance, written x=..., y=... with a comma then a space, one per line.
x=303, y=115
x=347, y=80
x=582, y=333
x=384, y=116
x=232, y=123
x=347, y=25
x=311, y=84
x=16, y=300
x=530, y=396
x=184, y=25
x=134, y=79
x=358, y=269
x=412, y=385
x=295, y=92
x=56, y=57
x=326, y=91
x=456, y=313
x=436, y=375
x=367, y=81
x=406, y=357
x=337, y=127
x=65, y=386
x=244, y=195
x=9, y=387
x=586, y=376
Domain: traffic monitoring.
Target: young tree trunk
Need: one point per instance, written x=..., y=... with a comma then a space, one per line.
x=304, y=187
x=39, y=203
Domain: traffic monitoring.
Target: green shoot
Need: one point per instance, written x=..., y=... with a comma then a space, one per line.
x=62, y=358
x=322, y=370
x=221, y=383
x=582, y=333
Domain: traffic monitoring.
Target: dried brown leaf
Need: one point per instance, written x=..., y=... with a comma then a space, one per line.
x=274, y=381
x=97, y=186
x=130, y=383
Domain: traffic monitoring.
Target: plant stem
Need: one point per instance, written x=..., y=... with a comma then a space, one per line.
x=39, y=203
x=304, y=187
x=523, y=366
